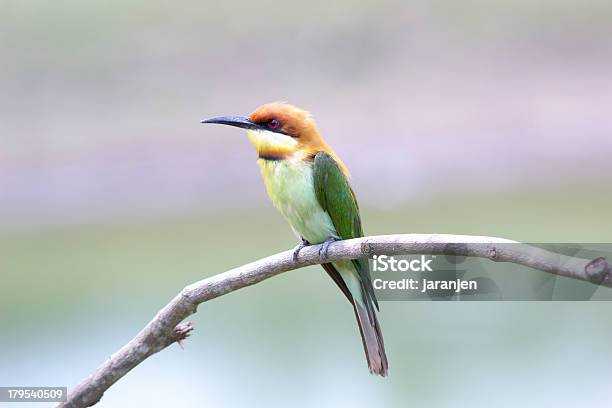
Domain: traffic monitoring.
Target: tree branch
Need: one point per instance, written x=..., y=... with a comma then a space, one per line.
x=166, y=327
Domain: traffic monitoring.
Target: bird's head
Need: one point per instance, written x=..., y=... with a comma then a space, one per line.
x=280, y=131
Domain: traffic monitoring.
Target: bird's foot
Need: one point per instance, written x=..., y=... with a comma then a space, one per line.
x=296, y=251
x=325, y=247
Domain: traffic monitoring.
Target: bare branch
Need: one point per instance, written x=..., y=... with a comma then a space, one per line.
x=166, y=327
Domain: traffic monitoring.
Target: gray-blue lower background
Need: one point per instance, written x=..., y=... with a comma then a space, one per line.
x=71, y=297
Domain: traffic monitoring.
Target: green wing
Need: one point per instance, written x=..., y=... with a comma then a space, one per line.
x=337, y=198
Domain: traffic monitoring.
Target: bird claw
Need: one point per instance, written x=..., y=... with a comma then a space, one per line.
x=296, y=251
x=324, y=248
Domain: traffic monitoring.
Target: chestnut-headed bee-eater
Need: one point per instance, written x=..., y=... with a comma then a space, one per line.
x=309, y=185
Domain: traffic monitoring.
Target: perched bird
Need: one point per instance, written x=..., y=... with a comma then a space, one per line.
x=308, y=184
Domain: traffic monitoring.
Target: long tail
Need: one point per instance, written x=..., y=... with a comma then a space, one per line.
x=344, y=274
x=371, y=335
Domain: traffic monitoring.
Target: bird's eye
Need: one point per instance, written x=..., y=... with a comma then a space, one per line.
x=274, y=124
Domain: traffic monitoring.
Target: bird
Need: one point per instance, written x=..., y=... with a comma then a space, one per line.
x=309, y=185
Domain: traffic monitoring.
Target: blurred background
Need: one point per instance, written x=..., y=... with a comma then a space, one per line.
x=465, y=117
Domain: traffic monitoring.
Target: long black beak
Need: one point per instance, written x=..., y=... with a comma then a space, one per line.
x=238, y=121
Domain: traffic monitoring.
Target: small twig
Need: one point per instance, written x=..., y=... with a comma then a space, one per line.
x=165, y=328
x=181, y=332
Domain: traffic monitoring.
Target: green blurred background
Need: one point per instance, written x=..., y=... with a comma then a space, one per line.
x=464, y=117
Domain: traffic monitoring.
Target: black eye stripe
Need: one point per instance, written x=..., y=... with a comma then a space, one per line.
x=274, y=125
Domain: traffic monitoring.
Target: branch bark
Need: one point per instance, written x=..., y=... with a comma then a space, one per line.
x=166, y=327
